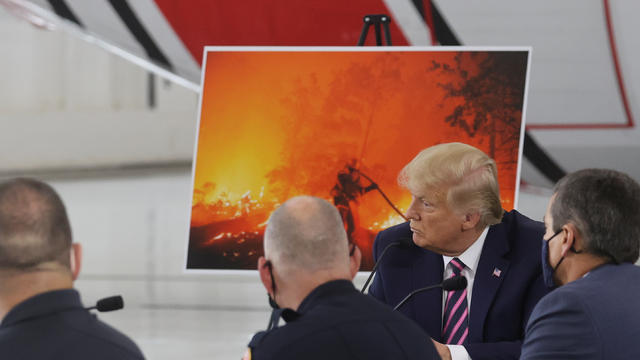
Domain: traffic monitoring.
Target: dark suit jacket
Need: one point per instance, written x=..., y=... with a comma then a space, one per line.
x=500, y=305
x=595, y=317
x=335, y=321
x=55, y=325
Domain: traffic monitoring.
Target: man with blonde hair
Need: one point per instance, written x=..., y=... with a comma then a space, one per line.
x=307, y=271
x=41, y=315
x=457, y=227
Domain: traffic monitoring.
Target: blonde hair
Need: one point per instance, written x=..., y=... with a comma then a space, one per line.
x=468, y=175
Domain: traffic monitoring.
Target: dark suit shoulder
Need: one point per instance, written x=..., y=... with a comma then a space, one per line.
x=580, y=316
x=603, y=283
x=560, y=328
x=394, y=233
x=515, y=220
x=560, y=299
x=405, y=254
x=523, y=235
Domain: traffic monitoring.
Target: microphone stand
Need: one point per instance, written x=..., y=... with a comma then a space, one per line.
x=406, y=298
x=451, y=284
x=375, y=267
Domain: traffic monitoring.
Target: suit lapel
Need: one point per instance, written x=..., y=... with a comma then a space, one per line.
x=427, y=307
x=492, y=268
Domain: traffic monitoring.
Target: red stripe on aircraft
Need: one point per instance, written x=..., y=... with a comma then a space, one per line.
x=271, y=23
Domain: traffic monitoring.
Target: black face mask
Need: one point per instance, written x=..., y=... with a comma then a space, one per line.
x=547, y=269
x=272, y=301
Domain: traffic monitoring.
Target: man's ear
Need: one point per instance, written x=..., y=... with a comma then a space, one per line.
x=76, y=260
x=470, y=220
x=571, y=239
x=354, y=261
x=265, y=274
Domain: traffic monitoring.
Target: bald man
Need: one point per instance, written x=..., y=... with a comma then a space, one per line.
x=307, y=271
x=41, y=315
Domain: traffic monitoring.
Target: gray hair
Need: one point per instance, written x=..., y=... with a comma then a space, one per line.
x=306, y=233
x=604, y=205
x=34, y=227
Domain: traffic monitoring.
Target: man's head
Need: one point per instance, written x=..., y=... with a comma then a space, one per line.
x=594, y=213
x=455, y=195
x=305, y=242
x=35, y=234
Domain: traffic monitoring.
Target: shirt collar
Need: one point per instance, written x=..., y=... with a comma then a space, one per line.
x=327, y=289
x=41, y=305
x=471, y=256
x=601, y=266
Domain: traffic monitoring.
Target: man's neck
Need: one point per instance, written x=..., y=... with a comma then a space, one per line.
x=469, y=238
x=16, y=287
x=581, y=265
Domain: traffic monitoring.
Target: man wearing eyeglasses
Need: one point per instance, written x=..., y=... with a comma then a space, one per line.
x=592, y=240
x=307, y=271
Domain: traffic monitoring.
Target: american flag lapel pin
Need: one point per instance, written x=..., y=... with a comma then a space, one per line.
x=497, y=272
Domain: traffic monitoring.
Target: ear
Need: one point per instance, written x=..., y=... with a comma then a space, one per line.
x=570, y=240
x=76, y=260
x=354, y=261
x=470, y=220
x=265, y=275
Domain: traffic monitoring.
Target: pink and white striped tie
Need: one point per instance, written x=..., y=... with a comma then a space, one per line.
x=455, y=324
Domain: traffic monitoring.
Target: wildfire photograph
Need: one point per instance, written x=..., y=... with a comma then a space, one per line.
x=338, y=123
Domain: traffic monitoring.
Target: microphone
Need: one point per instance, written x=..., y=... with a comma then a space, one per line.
x=403, y=242
x=452, y=283
x=108, y=304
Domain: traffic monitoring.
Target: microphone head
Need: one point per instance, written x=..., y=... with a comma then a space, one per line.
x=110, y=304
x=454, y=283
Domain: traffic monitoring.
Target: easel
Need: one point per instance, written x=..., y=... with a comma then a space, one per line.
x=376, y=20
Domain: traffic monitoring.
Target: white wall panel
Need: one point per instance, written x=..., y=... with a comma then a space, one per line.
x=67, y=103
x=572, y=76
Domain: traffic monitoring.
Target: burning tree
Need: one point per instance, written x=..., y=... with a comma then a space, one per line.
x=488, y=90
x=348, y=105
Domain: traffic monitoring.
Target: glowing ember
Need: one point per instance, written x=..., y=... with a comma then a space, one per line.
x=393, y=219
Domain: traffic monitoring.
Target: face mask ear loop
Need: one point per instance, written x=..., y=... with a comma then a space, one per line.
x=273, y=281
x=572, y=249
x=562, y=258
x=272, y=301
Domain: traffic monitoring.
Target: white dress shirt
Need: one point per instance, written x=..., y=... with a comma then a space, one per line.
x=470, y=258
